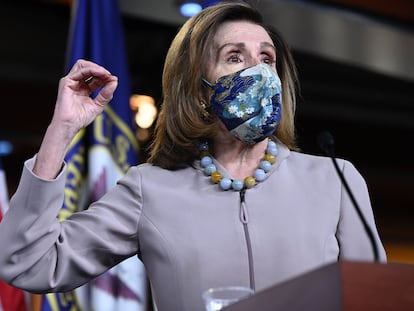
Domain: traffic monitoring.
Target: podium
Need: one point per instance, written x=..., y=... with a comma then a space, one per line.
x=344, y=285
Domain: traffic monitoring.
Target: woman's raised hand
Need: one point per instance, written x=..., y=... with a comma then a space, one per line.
x=75, y=108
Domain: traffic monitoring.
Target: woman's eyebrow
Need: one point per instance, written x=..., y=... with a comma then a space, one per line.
x=240, y=45
x=268, y=44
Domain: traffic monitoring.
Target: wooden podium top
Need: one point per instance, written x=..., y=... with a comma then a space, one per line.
x=344, y=285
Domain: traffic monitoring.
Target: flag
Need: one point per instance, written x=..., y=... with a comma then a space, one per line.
x=11, y=298
x=100, y=155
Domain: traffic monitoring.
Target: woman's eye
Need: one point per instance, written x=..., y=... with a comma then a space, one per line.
x=235, y=58
x=269, y=61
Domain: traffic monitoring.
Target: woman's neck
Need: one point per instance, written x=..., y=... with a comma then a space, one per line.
x=238, y=158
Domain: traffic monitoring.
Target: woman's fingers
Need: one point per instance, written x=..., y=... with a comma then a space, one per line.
x=89, y=74
x=105, y=94
x=90, y=77
x=75, y=107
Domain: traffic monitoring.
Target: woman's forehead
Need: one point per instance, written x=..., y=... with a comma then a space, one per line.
x=240, y=31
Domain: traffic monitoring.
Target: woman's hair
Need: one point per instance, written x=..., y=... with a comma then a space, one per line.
x=182, y=123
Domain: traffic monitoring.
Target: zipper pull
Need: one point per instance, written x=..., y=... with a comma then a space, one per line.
x=243, y=209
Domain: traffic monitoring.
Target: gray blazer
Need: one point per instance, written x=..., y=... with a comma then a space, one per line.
x=189, y=234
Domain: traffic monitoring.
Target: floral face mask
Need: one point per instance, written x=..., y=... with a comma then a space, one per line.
x=248, y=102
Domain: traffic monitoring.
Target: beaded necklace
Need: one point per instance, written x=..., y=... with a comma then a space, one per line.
x=236, y=184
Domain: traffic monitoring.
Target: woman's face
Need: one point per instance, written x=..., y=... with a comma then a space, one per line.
x=238, y=45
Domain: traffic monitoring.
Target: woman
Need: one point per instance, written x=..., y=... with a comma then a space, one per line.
x=226, y=198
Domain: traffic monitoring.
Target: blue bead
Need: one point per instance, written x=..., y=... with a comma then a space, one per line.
x=272, y=150
x=210, y=168
x=259, y=174
x=237, y=184
x=206, y=160
x=225, y=183
x=265, y=165
x=271, y=144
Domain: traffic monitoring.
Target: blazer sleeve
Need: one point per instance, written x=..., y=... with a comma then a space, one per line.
x=40, y=254
x=353, y=239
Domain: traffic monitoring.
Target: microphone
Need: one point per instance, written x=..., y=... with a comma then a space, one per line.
x=327, y=144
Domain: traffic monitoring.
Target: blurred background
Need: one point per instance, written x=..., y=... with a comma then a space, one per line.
x=356, y=65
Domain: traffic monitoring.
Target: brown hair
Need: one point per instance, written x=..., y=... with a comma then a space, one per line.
x=182, y=124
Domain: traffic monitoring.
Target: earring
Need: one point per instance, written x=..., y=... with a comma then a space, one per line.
x=204, y=113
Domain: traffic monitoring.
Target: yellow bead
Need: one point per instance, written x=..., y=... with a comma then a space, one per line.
x=249, y=182
x=270, y=158
x=216, y=177
x=204, y=153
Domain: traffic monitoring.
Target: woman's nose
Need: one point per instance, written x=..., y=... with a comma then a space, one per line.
x=254, y=60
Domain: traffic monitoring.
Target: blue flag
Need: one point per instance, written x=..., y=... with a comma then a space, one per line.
x=100, y=155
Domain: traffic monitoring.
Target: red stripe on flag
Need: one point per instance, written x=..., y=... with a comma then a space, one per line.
x=11, y=298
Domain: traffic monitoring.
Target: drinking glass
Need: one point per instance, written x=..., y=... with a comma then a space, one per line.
x=217, y=298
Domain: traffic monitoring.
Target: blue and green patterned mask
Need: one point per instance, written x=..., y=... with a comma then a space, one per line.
x=248, y=102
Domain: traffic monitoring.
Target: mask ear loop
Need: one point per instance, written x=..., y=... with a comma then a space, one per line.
x=206, y=83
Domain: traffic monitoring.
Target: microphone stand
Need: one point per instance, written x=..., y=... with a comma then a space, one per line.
x=326, y=143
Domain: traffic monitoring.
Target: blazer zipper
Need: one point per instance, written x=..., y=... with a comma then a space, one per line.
x=244, y=218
